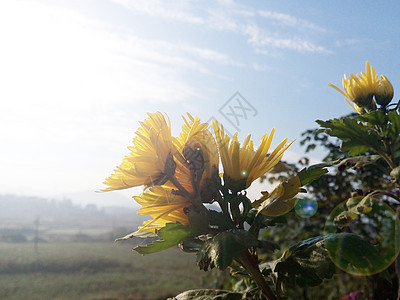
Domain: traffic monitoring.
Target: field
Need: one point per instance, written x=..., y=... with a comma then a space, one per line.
x=94, y=271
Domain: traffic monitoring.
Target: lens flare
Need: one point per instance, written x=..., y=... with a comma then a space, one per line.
x=306, y=207
x=378, y=244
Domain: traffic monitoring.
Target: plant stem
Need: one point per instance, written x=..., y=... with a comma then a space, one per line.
x=250, y=264
x=397, y=263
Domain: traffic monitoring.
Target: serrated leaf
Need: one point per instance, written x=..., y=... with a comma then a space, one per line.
x=394, y=129
x=138, y=234
x=258, y=221
x=281, y=200
x=356, y=137
x=358, y=161
x=395, y=173
x=220, y=250
x=311, y=173
x=170, y=235
x=360, y=204
x=376, y=117
x=190, y=246
x=354, y=207
x=208, y=295
x=306, y=263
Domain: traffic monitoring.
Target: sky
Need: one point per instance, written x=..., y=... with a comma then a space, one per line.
x=76, y=76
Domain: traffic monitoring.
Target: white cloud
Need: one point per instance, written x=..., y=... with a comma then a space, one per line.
x=232, y=17
x=261, y=67
x=261, y=39
x=170, y=10
x=355, y=43
x=288, y=20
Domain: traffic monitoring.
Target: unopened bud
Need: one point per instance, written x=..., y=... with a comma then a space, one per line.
x=384, y=92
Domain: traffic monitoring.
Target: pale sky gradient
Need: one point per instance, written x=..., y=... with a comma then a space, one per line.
x=76, y=76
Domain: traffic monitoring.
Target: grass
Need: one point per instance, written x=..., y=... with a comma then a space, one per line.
x=94, y=271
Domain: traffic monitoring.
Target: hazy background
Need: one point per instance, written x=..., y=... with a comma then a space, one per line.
x=77, y=76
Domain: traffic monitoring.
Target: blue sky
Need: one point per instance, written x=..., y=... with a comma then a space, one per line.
x=77, y=76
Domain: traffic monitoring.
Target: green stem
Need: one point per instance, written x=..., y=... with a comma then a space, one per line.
x=397, y=263
x=250, y=264
x=223, y=204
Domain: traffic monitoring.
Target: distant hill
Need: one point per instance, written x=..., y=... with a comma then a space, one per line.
x=23, y=210
x=114, y=198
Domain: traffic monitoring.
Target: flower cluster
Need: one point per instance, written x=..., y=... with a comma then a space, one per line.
x=180, y=174
x=365, y=90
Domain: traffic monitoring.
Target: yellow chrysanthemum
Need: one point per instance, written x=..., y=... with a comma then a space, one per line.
x=384, y=92
x=243, y=164
x=196, y=136
x=151, y=159
x=163, y=206
x=361, y=88
x=361, y=110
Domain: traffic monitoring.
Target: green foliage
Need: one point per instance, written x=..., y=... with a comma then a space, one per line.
x=137, y=234
x=208, y=295
x=356, y=138
x=353, y=254
x=357, y=162
x=354, y=207
x=170, y=235
x=220, y=250
x=309, y=262
x=394, y=129
x=308, y=175
x=281, y=200
x=306, y=263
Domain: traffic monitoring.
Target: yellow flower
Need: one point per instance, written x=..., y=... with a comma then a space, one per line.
x=361, y=88
x=361, y=110
x=163, y=206
x=242, y=164
x=384, y=92
x=197, y=137
x=151, y=161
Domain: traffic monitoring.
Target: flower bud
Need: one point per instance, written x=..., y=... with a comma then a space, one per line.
x=384, y=92
x=360, y=92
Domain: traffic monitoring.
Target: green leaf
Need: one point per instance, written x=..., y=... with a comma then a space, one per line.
x=376, y=117
x=360, y=204
x=220, y=250
x=356, y=162
x=394, y=129
x=258, y=221
x=138, y=234
x=344, y=214
x=208, y=295
x=395, y=174
x=309, y=262
x=170, y=235
x=356, y=137
x=306, y=263
x=354, y=255
x=281, y=200
x=311, y=173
